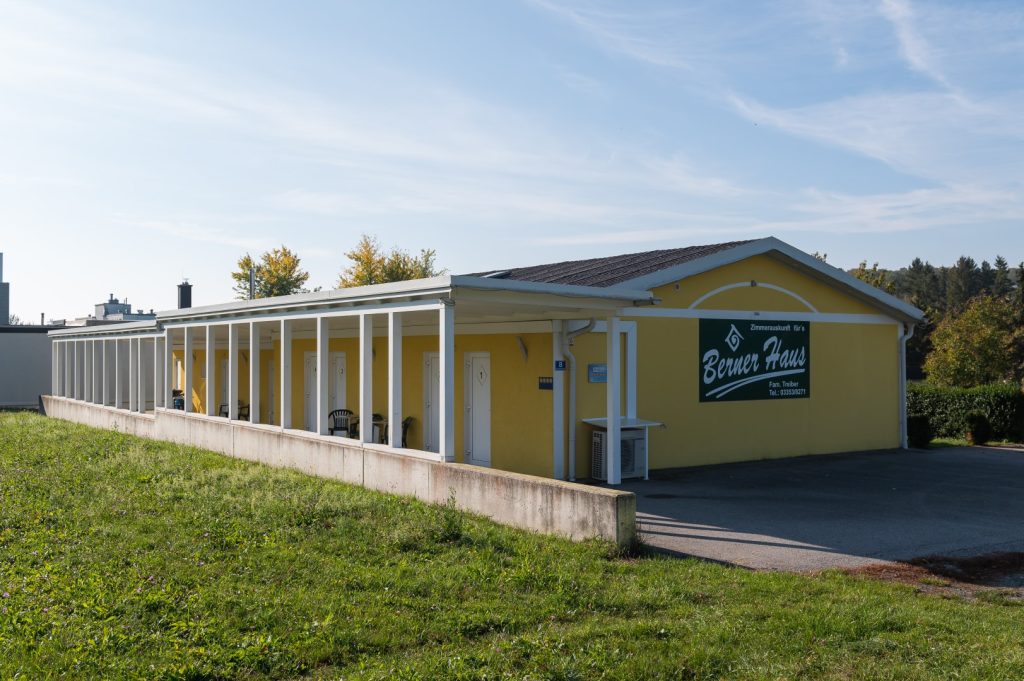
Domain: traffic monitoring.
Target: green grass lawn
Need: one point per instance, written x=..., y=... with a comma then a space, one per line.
x=121, y=557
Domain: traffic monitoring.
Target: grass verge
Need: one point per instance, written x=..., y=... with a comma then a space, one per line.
x=127, y=558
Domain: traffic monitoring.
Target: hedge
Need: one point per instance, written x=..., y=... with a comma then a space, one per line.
x=947, y=408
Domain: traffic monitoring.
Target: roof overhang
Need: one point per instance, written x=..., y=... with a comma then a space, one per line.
x=477, y=299
x=805, y=262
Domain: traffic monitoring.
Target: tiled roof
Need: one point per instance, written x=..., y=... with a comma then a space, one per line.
x=608, y=271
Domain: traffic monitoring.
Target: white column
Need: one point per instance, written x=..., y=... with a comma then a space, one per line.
x=254, y=372
x=54, y=367
x=557, y=403
x=631, y=371
x=108, y=370
x=68, y=392
x=366, y=378
x=613, y=444
x=187, y=388
x=232, y=377
x=286, y=374
x=323, y=343
x=97, y=371
x=395, y=379
x=211, y=371
x=86, y=371
x=140, y=373
x=159, y=367
x=133, y=375
x=118, y=381
x=78, y=367
x=446, y=342
x=168, y=369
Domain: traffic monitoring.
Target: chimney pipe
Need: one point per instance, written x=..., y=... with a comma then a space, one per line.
x=184, y=295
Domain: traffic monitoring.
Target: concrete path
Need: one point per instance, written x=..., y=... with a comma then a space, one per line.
x=845, y=510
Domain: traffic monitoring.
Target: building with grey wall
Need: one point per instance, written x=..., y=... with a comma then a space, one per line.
x=5, y=296
x=25, y=358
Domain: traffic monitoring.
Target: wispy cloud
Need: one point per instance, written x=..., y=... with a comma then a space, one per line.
x=913, y=46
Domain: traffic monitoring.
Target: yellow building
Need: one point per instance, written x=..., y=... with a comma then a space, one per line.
x=680, y=357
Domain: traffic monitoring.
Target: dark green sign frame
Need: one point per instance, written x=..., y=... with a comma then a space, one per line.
x=742, y=359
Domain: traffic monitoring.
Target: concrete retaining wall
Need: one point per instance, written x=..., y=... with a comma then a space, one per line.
x=550, y=506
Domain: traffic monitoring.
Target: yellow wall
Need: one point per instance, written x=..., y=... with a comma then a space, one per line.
x=854, y=398
x=521, y=414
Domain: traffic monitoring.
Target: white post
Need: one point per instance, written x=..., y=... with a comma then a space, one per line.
x=108, y=371
x=286, y=374
x=54, y=367
x=169, y=377
x=631, y=371
x=97, y=371
x=211, y=371
x=366, y=378
x=613, y=444
x=232, y=377
x=158, y=373
x=68, y=370
x=254, y=372
x=140, y=375
x=395, y=379
x=323, y=347
x=557, y=402
x=446, y=341
x=133, y=375
x=118, y=396
x=78, y=366
x=86, y=371
x=187, y=389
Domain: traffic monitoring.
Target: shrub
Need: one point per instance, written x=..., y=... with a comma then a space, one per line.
x=947, y=408
x=919, y=432
x=979, y=430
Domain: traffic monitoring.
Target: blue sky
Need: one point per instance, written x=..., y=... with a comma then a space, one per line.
x=143, y=141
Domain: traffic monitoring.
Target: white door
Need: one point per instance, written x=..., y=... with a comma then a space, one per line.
x=271, y=392
x=431, y=402
x=477, y=396
x=223, y=384
x=309, y=387
x=336, y=386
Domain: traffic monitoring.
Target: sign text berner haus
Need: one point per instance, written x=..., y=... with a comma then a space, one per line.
x=754, y=360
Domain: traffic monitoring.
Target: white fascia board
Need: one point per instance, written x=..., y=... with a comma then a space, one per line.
x=632, y=294
x=102, y=330
x=433, y=286
x=902, y=310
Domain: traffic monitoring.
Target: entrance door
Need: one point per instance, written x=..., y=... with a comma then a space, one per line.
x=431, y=402
x=336, y=387
x=477, y=396
x=223, y=384
x=309, y=387
x=271, y=392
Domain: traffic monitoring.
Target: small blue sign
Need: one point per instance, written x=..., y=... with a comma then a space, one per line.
x=597, y=373
x=546, y=383
x=559, y=365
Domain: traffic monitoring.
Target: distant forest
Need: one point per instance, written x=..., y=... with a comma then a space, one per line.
x=946, y=293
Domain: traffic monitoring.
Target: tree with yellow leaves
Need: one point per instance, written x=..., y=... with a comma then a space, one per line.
x=371, y=265
x=278, y=273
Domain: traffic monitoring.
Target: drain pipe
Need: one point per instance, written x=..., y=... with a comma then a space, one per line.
x=568, y=338
x=906, y=333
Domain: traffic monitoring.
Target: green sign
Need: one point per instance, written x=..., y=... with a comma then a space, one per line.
x=754, y=360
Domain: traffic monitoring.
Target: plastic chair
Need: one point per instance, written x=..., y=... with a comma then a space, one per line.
x=340, y=420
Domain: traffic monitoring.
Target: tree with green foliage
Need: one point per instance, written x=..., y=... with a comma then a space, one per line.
x=1002, y=283
x=372, y=265
x=975, y=347
x=278, y=273
x=963, y=283
x=878, y=278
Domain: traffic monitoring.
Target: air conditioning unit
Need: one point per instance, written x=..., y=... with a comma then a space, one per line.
x=633, y=454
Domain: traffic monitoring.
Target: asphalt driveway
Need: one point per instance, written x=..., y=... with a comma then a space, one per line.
x=847, y=510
